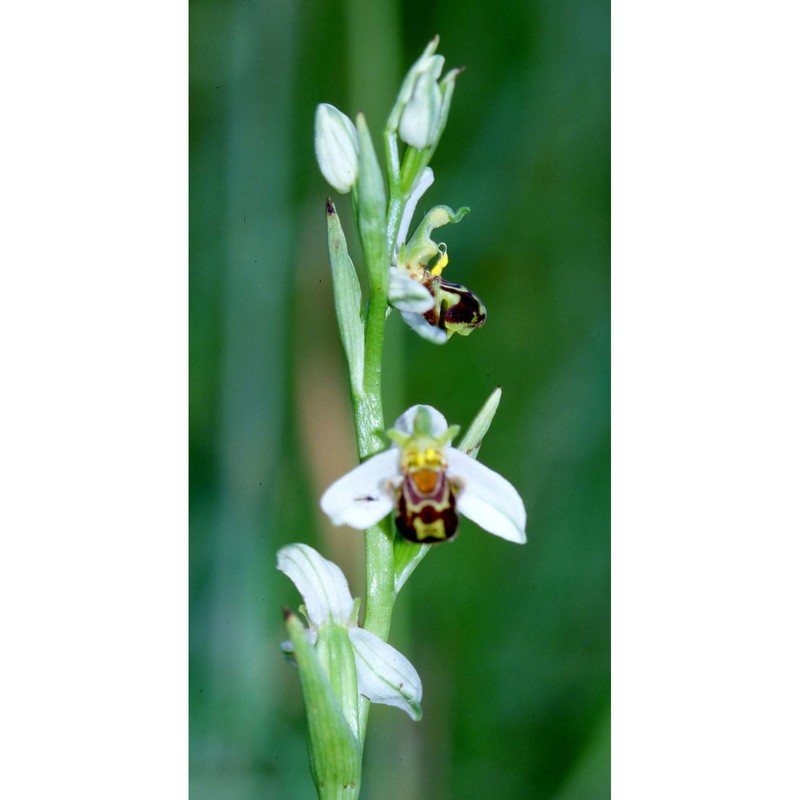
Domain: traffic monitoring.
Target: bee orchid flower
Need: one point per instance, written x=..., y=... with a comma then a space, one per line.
x=426, y=483
x=384, y=675
x=433, y=307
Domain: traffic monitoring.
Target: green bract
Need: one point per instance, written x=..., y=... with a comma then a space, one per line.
x=347, y=300
x=371, y=209
x=334, y=749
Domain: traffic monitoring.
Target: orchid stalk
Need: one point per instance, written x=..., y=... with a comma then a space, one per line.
x=412, y=485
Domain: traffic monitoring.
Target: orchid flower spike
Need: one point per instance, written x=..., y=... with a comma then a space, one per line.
x=384, y=675
x=426, y=483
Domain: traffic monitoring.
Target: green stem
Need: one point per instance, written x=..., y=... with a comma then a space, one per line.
x=414, y=162
x=373, y=362
x=370, y=427
x=368, y=409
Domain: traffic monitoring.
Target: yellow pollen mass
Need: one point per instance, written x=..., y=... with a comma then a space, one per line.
x=440, y=264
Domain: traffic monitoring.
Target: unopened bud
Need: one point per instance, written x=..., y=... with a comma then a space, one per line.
x=419, y=124
x=336, y=147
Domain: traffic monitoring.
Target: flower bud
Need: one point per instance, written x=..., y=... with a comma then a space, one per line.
x=336, y=147
x=419, y=124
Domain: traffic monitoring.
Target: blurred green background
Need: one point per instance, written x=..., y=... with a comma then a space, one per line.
x=512, y=643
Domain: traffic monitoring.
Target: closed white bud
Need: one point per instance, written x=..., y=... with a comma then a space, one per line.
x=419, y=124
x=336, y=147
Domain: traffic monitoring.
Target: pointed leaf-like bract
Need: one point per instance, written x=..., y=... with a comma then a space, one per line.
x=334, y=751
x=335, y=653
x=347, y=300
x=371, y=205
x=472, y=439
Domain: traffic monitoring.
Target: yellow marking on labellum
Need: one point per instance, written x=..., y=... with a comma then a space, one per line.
x=429, y=458
x=432, y=530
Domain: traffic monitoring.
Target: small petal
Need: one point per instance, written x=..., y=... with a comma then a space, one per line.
x=424, y=328
x=321, y=583
x=363, y=497
x=405, y=422
x=423, y=184
x=386, y=675
x=406, y=294
x=487, y=498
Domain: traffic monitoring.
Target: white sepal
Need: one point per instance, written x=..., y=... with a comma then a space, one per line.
x=406, y=294
x=487, y=498
x=362, y=498
x=405, y=422
x=424, y=328
x=322, y=584
x=386, y=675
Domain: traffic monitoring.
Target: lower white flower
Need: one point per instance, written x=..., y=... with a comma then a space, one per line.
x=427, y=483
x=384, y=674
